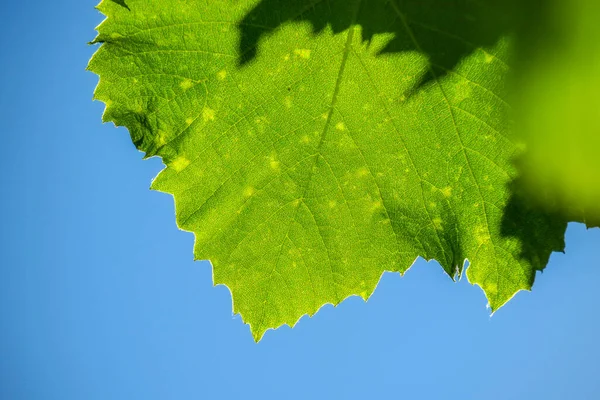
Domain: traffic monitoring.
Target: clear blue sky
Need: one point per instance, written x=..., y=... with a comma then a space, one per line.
x=100, y=298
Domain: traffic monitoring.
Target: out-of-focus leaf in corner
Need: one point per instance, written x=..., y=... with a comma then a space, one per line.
x=557, y=97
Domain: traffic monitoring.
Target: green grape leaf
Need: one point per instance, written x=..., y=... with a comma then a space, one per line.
x=311, y=145
x=559, y=113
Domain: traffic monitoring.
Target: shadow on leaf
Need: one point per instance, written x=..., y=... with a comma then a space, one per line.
x=444, y=30
x=121, y=3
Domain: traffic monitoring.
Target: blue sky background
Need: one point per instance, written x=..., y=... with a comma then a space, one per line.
x=100, y=298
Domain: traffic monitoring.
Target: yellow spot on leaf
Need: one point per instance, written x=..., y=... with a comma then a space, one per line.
x=189, y=121
x=305, y=139
x=340, y=126
x=186, y=84
x=249, y=191
x=491, y=288
x=208, y=114
x=362, y=172
x=160, y=139
x=273, y=162
x=180, y=163
x=377, y=205
x=447, y=191
x=221, y=75
x=463, y=91
x=288, y=101
x=303, y=53
x=481, y=235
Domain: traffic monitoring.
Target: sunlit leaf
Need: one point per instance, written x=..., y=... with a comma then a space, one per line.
x=312, y=145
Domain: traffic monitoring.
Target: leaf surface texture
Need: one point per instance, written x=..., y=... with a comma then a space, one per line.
x=312, y=145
